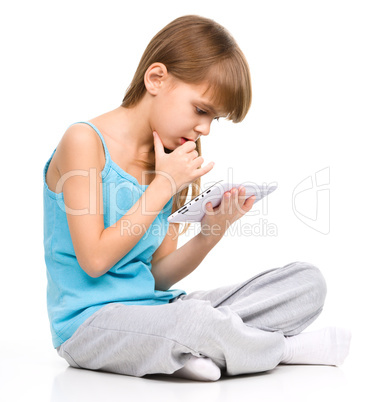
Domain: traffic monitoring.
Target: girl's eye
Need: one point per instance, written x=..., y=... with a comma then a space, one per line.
x=200, y=111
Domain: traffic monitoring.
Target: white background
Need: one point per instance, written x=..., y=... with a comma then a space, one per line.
x=317, y=74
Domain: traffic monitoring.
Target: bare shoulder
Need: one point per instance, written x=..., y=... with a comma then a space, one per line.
x=80, y=147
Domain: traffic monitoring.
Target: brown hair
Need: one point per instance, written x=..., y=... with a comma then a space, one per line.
x=198, y=50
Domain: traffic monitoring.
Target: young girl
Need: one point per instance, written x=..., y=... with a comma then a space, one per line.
x=112, y=257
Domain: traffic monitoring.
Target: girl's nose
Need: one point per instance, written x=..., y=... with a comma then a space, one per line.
x=203, y=128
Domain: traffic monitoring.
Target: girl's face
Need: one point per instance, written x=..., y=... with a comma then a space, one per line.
x=181, y=112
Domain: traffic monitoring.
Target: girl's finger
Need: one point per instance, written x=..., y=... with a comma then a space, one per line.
x=225, y=202
x=209, y=208
x=159, y=147
x=196, y=163
x=188, y=146
x=204, y=170
x=234, y=202
x=235, y=206
x=248, y=204
x=195, y=154
x=241, y=198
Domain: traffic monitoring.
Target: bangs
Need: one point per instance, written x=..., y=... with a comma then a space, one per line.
x=229, y=86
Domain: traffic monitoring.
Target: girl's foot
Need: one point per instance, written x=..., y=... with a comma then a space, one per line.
x=199, y=369
x=328, y=346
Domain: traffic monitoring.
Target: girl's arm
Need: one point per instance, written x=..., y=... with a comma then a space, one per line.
x=180, y=263
x=80, y=160
x=169, y=244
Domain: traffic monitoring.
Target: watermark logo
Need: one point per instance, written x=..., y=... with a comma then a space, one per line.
x=311, y=201
x=123, y=201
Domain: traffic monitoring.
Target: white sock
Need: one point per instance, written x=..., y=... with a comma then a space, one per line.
x=328, y=346
x=199, y=369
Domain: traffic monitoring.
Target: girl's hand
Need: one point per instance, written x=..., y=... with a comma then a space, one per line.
x=233, y=206
x=180, y=167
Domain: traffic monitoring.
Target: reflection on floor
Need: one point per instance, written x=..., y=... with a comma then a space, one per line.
x=39, y=374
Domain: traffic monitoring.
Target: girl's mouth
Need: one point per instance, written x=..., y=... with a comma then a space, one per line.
x=183, y=140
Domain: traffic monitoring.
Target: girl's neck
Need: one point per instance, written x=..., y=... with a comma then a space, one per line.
x=129, y=127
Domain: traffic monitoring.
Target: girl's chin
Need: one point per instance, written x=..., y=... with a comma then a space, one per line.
x=169, y=150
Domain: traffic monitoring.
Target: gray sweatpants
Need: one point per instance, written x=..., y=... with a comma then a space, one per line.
x=241, y=328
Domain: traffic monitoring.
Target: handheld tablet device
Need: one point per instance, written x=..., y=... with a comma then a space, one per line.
x=194, y=210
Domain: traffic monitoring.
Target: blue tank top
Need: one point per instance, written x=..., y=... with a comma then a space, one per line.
x=72, y=295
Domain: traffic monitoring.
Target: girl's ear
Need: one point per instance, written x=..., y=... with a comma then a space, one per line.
x=154, y=77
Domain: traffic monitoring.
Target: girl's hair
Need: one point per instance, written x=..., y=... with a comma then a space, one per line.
x=198, y=50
